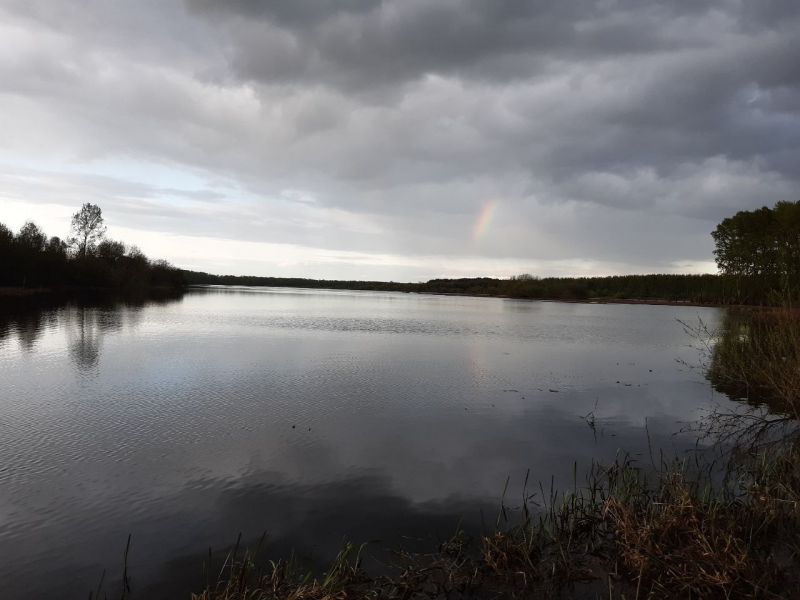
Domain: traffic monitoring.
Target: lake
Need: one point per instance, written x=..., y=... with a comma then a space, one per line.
x=315, y=416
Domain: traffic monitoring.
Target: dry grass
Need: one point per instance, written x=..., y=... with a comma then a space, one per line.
x=678, y=545
x=242, y=579
x=620, y=536
x=756, y=356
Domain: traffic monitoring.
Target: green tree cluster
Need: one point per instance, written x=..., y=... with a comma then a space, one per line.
x=762, y=245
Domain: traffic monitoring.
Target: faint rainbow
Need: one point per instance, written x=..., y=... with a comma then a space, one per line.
x=484, y=219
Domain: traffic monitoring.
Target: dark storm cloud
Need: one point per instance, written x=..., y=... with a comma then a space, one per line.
x=364, y=44
x=402, y=118
x=699, y=79
x=377, y=43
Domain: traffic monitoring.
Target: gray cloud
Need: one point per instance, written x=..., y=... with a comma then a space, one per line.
x=379, y=43
x=601, y=130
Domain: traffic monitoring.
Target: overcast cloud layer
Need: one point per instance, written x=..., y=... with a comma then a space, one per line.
x=359, y=139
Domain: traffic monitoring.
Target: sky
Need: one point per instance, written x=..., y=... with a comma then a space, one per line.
x=401, y=139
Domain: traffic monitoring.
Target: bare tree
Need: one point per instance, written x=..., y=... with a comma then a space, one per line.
x=87, y=228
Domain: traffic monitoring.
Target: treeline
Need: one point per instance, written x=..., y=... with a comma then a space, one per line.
x=757, y=252
x=696, y=289
x=31, y=259
x=201, y=278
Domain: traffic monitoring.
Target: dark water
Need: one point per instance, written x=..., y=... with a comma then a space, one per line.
x=312, y=415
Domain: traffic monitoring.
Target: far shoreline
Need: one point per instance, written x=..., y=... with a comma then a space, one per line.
x=17, y=292
x=599, y=300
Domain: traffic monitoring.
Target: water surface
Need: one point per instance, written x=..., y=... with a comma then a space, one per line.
x=312, y=415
